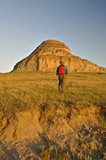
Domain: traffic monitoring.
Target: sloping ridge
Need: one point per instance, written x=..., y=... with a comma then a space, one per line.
x=47, y=55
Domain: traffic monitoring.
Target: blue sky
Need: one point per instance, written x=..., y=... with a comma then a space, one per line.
x=24, y=24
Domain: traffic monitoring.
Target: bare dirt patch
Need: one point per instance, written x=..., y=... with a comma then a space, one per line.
x=52, y=132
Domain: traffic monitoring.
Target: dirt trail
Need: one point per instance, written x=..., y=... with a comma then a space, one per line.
x=50, y=132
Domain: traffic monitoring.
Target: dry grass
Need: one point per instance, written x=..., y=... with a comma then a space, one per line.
x=65, y=126
x=22, y=91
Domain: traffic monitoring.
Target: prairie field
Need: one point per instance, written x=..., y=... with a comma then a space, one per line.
x=21, y=91
x=39, y=123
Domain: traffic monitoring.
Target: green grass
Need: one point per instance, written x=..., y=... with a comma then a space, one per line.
x=25, y=90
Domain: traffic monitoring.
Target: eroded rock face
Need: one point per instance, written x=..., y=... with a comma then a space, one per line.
x=52, y=130
x=47, y=55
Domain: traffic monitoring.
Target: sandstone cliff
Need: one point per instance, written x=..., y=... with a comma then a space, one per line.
x=47, y=55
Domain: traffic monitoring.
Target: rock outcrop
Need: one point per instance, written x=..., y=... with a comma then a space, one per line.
x=47, y=55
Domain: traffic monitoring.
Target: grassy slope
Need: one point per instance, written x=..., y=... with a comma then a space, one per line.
x=21, y=91
x=64, y=130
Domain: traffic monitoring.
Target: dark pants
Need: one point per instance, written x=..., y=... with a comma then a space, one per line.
x=61, y=82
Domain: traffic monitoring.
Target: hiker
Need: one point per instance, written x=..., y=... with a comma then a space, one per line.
x=61, y=75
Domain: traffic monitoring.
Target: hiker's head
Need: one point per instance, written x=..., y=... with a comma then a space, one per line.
x=61, y=62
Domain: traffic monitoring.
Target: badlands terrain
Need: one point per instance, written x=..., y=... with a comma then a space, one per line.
x=39, y=123
x=47, y=55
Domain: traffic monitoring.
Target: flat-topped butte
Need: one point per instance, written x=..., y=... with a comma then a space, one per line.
x=47, y=55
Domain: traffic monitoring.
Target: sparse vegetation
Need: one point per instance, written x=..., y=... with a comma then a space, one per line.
x=22, y=91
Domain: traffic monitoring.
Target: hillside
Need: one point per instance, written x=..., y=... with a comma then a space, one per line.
x=39, y=123
x=47, y=55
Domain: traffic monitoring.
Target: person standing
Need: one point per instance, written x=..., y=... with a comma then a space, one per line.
x=61, y=75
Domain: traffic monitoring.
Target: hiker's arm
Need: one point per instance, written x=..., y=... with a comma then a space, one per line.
x=57, y=74
x=56, y=77
x=66, y=71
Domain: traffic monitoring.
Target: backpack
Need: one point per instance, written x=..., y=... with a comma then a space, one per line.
x=61, y=70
